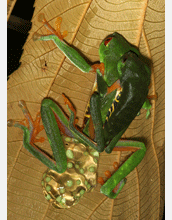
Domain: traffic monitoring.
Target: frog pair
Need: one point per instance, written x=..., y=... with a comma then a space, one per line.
x=121, y=91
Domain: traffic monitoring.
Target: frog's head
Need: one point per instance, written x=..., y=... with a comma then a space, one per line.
x=111, y=50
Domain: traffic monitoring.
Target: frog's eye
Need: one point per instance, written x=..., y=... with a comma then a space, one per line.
x=107, y=41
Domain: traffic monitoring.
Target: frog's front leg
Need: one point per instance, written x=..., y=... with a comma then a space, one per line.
x=78, y=134
x=69, y=52
x=97, y=121
x=147, y=106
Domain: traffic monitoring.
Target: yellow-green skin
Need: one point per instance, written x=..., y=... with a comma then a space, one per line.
x=122, y=61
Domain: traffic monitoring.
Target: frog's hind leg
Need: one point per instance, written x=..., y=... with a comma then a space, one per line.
x=31, y=129
x=119, y=186
x=139, y=150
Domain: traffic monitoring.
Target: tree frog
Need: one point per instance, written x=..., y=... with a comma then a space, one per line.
x=121, y=89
